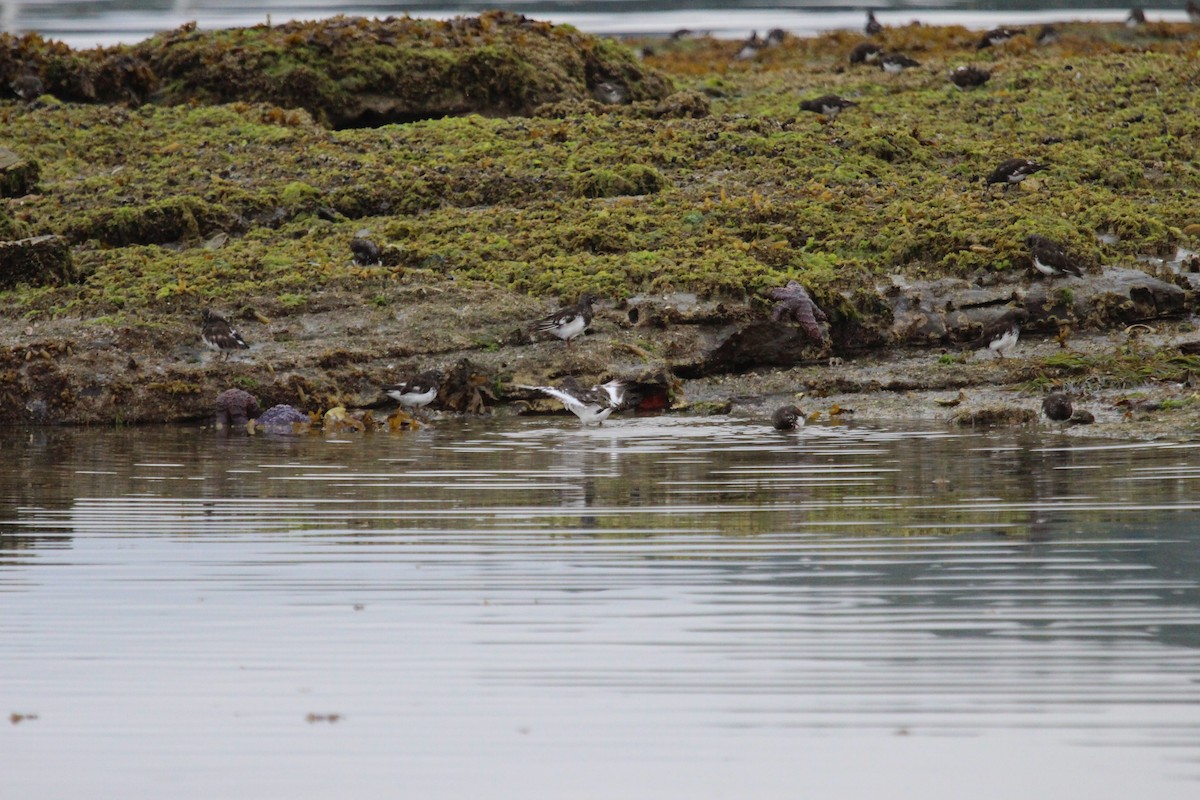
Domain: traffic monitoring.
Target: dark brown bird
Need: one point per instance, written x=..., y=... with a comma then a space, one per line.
x=873, y=26
x=787, y=418
x=1048, y=34
x=828, y=104
x=28, y=87
x=569, y=322
x=1057, y=407
x=1013, y=171
x=998, y=36
x=1001, y=335
x=1136, y=18
x=1049, y=257
x=968, y=76
x=865, y=53
x=418, y=391
x=897, y=62
x=366, y=253
x=219, y=335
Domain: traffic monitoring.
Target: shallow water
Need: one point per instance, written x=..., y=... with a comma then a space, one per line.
x=659, y=608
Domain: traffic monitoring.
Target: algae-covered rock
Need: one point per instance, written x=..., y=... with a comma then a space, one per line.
x=18, y=176
x=352, y=71
x=37, y=261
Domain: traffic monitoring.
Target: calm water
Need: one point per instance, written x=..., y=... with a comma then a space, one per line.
x=86, y=23
x=660, y=608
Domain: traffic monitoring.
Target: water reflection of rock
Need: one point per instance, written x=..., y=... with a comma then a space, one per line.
x=994, y=520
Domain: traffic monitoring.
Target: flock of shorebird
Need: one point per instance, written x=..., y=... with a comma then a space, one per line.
x=593, y=405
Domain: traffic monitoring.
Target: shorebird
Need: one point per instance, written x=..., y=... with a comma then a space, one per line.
x=28, y=87
x=828, y=104
x=998, y=36
x=1057, y=407
x=219, y=335
x=1047, y=34
x=865, y=53
x=416, y=392
x=787, y=418
x=968, y=76
x=593, y=405
x=569, y=322
x=894, y=63
x=1001, y=336
x=1136, y=18
x=366, y=252
x=872, y=27
x=1012, y=172
x=1049, y=257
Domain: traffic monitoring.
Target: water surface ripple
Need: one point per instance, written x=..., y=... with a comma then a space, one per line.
x=658, y=608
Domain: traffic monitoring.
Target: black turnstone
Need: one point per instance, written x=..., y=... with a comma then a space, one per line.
x=1193, y=12
x=787, y=418
x=1013, y=171
x=897, y=62
x=775, y=37
x=593, y=405
x=1047, y=34
x=750, y=47
x=872, y=27
x=1001, y=336
x=28, y=87
x=865, y=53
x=1136, y=18
x=828, y=104
x=219, y=335
x=416, y=392
x=569, y=322
x=968, y=76
x=366, y=253
x=1057, y=407
x=998, y=36
x=1050, y=258
x=610, y=93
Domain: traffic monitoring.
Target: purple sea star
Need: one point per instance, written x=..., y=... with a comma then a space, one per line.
x=795, y=304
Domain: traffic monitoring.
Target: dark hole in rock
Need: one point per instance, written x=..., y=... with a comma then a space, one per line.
x=634, y=315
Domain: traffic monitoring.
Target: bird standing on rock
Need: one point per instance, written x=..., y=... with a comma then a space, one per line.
x=1013, y=171
x=219, y=335
x=569, y=322
x=894, y=63
x=865, y=53
x=829, y=105
x=416, y=392
x=1057, y=407
x=28, y=87
x=1001, y=336
x=1049, y=257
x=968, y=76
x=998, y=36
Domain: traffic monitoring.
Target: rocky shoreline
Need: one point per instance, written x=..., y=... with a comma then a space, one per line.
x=500, y=166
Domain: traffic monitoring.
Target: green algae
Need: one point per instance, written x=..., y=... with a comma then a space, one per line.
x=737, y=193
x=346, y=71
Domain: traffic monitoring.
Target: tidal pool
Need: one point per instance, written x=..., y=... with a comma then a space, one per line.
x=657, y=608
